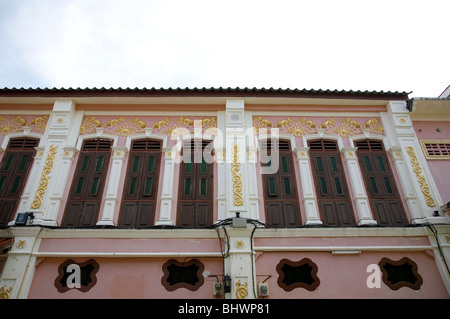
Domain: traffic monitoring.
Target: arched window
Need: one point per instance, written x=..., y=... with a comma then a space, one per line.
x=88, y=182
x=280, y=189
x=141, y=184
x=14, y=171
x=380, y=185
x=331, y=187
x=196, y=185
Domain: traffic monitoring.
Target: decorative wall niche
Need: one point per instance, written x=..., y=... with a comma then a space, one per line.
x=182, y=275
x=71, y=272
x=401, y=273
x=300, y=274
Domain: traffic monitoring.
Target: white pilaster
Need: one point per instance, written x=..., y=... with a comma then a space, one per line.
x=307, y=183
x=19, y=268
x=357, y=186
x=420, y=190
x=220, y=151
x=51, y=171
x=236, y=165
x=239, y=263
x=112, y=189
x=165, y=217
x=57, y=191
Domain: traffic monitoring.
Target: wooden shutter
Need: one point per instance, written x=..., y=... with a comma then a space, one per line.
x=87, y=187
x=195, y=186
x=280, y=188
x=14, y=169
x=380, y=185
x=331, y=187
x=141, y=184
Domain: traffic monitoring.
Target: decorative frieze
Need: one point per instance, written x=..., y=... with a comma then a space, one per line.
x=344, y=127
x=171, y=126
x=18, y=123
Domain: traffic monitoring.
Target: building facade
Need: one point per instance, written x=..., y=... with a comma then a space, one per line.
x=223, y=193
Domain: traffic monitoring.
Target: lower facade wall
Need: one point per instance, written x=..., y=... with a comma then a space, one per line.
x=341, y=276
x=121, y=278
x=346, y=276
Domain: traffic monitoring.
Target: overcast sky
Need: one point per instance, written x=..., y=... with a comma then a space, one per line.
x=346, y=45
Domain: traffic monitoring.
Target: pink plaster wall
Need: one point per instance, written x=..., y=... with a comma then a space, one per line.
x=125, y=278
x=440, y=169
x=345, y=276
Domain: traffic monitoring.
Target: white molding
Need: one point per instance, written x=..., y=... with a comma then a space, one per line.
x=25, y=133
x=99, y=134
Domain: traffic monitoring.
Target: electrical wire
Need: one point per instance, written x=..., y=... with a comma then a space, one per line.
x=435, y=233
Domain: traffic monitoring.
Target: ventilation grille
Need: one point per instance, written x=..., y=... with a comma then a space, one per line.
x=283, y=145
x=146, y=145
x=323, y=145
x=369, y=145
x=23, y=143
x=99, y=145
x=196, y=145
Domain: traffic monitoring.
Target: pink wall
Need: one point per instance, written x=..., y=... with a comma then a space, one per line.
x=345, y=276
x=121, y=278
x=440, y=169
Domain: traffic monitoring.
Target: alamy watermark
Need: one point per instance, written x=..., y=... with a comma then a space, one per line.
x=374, y=279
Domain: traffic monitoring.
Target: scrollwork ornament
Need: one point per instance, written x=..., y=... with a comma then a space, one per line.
x=241, y=290
x=238, y=200
x=43, y=183
x=429, y=200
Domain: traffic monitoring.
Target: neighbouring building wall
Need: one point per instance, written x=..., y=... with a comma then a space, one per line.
x=436, y=134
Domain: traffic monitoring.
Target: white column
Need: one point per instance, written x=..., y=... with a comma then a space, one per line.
x=307, y=183
x=113, y=186
x=422, y=195
x=220, y=151
x=165, y=211
x=19, y=267
x=408, y=188
x=238, y=264
x=57, y=191
x=236, y=166
x=358, y=188
x=253, y=195
x=49, y=178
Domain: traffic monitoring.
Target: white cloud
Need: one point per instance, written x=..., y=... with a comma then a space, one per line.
x=380, y=45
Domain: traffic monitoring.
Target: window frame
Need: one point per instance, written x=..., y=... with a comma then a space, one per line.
x=279, y=200
x=141, y=199
x=85, y=201
x=381, y=201
x=20, y=146
x=190, y=205
x=333, y=200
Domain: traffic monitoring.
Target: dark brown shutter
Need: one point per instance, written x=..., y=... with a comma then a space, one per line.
x=280, y=187
x=331, y=186
x=88, y=182
x=141, y=184
x=14, y=170
x=381, y=188
x=195, y=189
